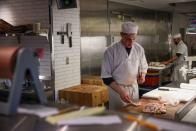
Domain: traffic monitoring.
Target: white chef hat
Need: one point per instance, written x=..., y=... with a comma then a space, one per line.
x=129, y=28
x=177, y=35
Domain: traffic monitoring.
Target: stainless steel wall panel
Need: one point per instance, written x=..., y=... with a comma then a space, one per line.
x=97, y=24
x=92, y=50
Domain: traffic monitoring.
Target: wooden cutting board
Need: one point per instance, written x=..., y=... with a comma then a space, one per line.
x=170, y=114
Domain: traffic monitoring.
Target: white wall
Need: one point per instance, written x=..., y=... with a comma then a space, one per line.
x=18, y=12
x=66, y=75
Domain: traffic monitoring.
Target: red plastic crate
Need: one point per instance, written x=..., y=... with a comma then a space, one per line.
x=152, y=79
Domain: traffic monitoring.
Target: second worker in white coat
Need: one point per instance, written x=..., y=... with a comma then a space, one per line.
x=124, y=66
x=179, y=52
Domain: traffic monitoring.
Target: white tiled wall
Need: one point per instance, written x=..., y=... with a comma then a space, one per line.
x=18, y=12
x=39, y=42
x=32, y=42
x=66, y=75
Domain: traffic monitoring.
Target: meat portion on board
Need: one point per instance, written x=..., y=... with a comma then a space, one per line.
x=155, y=108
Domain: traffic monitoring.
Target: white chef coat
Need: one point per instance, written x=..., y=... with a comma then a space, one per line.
x=180, y=48
x=5, y=83
x=124, y=68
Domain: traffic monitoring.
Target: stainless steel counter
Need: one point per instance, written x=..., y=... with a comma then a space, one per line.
x=190, y=116
x=188, y=111
x=31, y=123
x=173, y=84
x=22, y=122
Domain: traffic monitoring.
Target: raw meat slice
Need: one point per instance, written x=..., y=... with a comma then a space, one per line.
x=155, y=108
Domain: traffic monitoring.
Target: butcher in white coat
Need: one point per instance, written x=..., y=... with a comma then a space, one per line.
x=179, y=52
x=124, y=66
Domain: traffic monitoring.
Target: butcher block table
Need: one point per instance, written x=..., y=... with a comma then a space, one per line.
x=170, y=114
x=84, y=94
x=92, y=80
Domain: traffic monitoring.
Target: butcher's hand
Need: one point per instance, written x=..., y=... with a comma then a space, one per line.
x=121, y=91
x=141, y=78
x=125, y=97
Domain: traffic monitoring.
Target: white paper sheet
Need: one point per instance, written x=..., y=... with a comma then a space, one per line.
x=182, y=95
x=39, y=110
x=188, y=86
x=192, y=81
x=92, y=120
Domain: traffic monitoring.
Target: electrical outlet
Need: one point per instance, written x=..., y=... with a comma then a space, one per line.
x=67, y=60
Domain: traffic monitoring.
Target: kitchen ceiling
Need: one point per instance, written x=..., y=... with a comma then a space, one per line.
x=163, y=5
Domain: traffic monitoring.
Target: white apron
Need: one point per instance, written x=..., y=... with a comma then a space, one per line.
x=177, y=75
x=126, y=75
x=115, y=101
